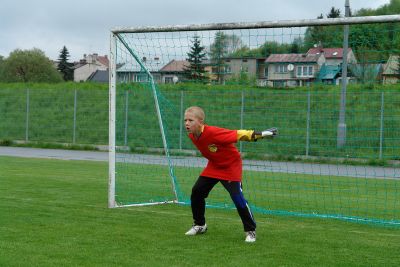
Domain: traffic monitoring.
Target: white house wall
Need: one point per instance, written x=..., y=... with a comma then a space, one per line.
x=82, y=73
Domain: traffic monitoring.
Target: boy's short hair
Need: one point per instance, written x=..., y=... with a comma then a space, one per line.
x=197, y=111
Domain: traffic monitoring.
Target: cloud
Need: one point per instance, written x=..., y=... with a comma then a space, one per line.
x=84, y=26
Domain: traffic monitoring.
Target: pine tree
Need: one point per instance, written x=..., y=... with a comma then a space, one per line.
x=195, y=71
x=64, y=66
x=334, y=13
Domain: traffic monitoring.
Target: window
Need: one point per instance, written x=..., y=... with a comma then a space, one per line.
x=244, y=68
x=281, y=68
x=279, y=84
x=141, y=78
x=169, y=80
x=228, y=69
x=305, y=71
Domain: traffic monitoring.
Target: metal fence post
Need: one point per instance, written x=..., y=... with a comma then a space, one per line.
x=308, y=123
x=342, y=128
x=126, y=117
x=27, y=116
x=241, y=120
x=181, y=123
x=75, y=106
x=381, y=128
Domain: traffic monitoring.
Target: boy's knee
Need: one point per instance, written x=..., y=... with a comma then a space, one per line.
x=239, y=200
x=197, y=192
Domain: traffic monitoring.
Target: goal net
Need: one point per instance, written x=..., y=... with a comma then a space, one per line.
x=329, y=85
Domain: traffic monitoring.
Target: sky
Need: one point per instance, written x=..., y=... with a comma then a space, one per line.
x=84, y=26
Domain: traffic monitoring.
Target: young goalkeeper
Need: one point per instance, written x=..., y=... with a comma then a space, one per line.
x=224, y=166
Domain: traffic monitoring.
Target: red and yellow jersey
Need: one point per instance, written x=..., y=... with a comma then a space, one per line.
x=217, y=145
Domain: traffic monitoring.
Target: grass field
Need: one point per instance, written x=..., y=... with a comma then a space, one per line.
x=53, y=213
x=366, y=199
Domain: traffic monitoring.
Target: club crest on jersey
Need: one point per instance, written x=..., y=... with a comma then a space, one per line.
x=213, y=148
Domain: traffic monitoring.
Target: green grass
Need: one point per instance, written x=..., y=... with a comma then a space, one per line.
x=361, y=198
x=53, y=213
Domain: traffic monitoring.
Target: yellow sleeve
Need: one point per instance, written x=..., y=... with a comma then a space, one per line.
x=245, y=135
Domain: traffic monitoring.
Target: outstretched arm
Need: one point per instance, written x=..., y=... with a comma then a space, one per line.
x=251, y=135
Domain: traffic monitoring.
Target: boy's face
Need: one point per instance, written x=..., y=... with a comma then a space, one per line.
x=192, y=123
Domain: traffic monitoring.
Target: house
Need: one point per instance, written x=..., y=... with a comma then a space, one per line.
x=132, y=71
x=129, y=72
x=262, y=72
x=329, y=74
x=100, y=76
x=391, y=70
x=333, y=56
x=231, y=68
x=331, y=70
x=236, y=66
x=174, y=71
x=88, y=65
x=290, y=70
x=210, y=70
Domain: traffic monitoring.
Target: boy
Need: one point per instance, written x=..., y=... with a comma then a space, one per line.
x=224, y=165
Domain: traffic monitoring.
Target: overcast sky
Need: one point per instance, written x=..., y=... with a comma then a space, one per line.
x=84, y=26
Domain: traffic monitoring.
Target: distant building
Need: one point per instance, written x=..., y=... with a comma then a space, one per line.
x=236, y=66
x=290, y=70
x=391, y=70
x=89, y=65
x=132, y=71
x=333, y=56
x=174, y=71
x=99, y=76
x=330, y=74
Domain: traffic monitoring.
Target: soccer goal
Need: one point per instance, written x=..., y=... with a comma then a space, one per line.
x=329, y=85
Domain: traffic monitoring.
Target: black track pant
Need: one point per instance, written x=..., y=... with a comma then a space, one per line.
x=200, y=192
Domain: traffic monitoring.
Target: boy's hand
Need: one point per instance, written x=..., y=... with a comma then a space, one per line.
x=269, y=133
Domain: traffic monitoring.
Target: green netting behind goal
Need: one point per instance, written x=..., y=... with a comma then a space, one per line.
x=290, y=78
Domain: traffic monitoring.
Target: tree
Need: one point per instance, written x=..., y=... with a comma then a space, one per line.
x=224, y=45
x=195, y=71
x=297, y=45
x=1, y=67
x=334, y=13
x=64, y=66
x=325, y=36
x=273, y=47
x=29, y=66
x=218, y=51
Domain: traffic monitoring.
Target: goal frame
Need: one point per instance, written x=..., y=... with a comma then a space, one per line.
x=114, y=36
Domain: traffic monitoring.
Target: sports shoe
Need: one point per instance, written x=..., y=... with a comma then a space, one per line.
x=250, y=237
x=197, y=229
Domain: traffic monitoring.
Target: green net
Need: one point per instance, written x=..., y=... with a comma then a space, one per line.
x=290, y=78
